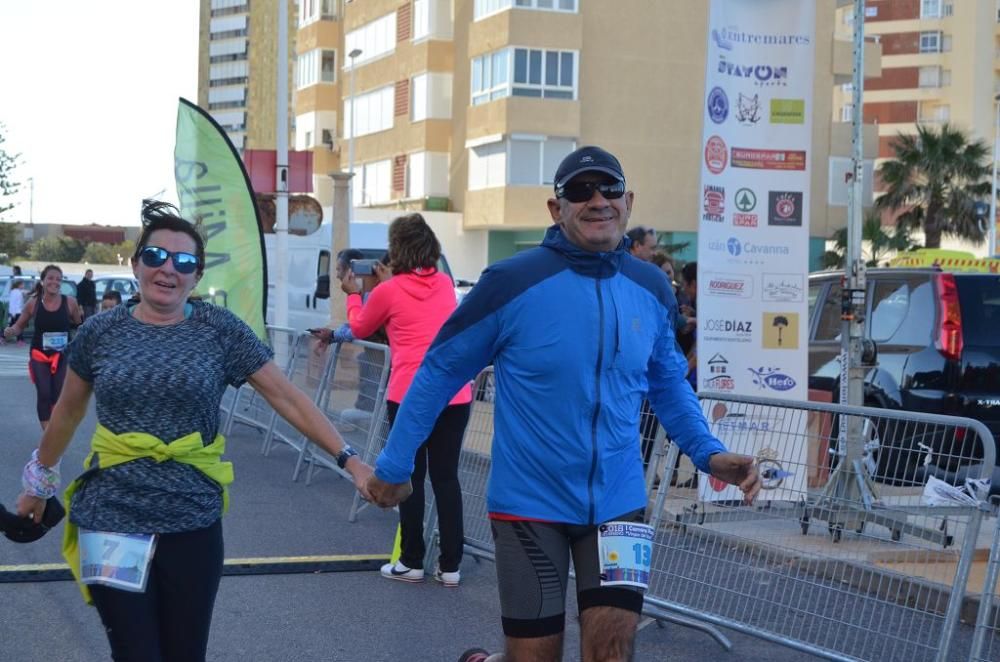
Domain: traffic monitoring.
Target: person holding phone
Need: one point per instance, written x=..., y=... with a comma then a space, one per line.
x=413, y=300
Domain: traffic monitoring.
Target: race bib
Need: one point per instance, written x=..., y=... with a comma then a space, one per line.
x=55, y=341
x=626, y=550
x=118, y=560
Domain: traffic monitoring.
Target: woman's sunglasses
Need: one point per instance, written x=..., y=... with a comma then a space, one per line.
x=584, y=191
x=154, y=256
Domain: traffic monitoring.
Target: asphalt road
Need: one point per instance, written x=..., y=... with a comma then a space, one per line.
x=352, y=616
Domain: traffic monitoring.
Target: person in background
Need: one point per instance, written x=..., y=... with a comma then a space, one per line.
x=689, y=285
x=15, y=305
x=643, y=242
x=413, y=300
x=110, y=299
x=55, y=314
x=17, y=270
x=86, y=294
x=155, y=486
x=578, y=332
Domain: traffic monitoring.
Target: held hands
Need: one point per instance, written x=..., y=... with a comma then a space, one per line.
x=362, y=474
x=738, y=470
x=387, y=495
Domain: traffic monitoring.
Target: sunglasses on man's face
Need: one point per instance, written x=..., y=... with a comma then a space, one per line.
x=154, y=256
x=584, y=191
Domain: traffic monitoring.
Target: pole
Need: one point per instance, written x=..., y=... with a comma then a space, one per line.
x=350, y=142
x=991, y=246
x=281, y=173
x=31, y=197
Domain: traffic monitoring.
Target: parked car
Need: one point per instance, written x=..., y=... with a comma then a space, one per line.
x=124, y=283
x=67, y=287
x=938, y=340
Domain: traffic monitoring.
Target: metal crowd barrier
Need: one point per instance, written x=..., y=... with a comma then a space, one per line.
x=868, y=573
x=986, y=641
x=244, y=405
x=305, y=369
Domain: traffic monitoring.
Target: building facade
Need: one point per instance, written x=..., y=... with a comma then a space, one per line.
x=469, y=105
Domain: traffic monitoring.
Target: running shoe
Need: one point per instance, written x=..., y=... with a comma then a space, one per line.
x=474, y=655
x=449, y=579
x=399, y=571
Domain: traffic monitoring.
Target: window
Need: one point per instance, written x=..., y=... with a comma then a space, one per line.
x=484, y=8
x=890, y=301
x=519, y=161
x=536, y=73
x=847, y=113
x=430, y=96
x=317, y=10
x=374, y=39
x=930, y=8
x=421, y=19
x=373, y=183
x=375, y=111
x=426, y=175
x=315, y=66
x=543, y=73
x=930, y=42
x=829, y=325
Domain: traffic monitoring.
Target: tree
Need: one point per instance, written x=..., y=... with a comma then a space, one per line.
x=56, y=249
x=8, y=162
x=11, y=244
x=876, y=243
x=936, y=179
x=108, y=253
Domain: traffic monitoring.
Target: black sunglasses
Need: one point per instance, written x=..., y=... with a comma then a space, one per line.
x=584, y=191
x=154, y=256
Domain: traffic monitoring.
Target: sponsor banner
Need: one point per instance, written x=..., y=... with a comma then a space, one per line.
x=755, y=177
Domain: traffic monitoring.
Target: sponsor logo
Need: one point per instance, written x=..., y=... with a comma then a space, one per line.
x=772, y=472
x=727, y=330
x=716, y=155
x=769, y=159
x=780, y=331
x=762, y=75
x=729, y=285
x=745, y=201
x=718, y=105
x=740, y=422
x=719, y=378
x=783, y=287
x=726, y=38
x=714, y=204
x=788, y=111
x=747, y=252
x=741, y=220
x=771, y=378
x=747, y=109
x=784, y=208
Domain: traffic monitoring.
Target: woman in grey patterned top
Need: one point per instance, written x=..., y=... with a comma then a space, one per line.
x=151, y=500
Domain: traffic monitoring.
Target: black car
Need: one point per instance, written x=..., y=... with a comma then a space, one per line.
x=938, y=340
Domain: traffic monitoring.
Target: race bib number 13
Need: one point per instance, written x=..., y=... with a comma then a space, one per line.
x=626, y=550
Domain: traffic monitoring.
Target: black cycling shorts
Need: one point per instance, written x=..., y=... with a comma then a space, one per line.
x=532, y=561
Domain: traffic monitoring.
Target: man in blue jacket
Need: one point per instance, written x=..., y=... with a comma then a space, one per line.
x=578, y=331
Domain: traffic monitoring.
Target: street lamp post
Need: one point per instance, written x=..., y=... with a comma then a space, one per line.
x=991, y=247
x=350, y=141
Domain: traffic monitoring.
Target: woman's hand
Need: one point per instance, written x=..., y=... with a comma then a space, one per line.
x=382, y=272
x=30, y=506
x=349, y=284
x=8, y=332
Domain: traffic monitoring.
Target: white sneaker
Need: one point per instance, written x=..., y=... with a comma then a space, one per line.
x=399, y=571
x=449, y=579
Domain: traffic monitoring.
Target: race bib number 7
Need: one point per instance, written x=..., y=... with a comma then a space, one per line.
x=118, y=560
x=626, y=550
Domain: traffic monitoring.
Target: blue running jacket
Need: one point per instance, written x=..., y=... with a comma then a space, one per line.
x=576, y=339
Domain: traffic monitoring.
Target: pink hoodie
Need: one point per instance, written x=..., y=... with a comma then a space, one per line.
x=413, y=307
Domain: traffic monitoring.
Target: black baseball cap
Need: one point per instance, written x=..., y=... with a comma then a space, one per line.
x=24, y=529
x=586, y=159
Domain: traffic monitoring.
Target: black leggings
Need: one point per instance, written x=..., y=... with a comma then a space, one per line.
x=47, y=385
x=171, y=620
x=440, y=452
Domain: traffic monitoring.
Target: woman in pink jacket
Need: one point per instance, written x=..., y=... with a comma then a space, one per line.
x=413, y=300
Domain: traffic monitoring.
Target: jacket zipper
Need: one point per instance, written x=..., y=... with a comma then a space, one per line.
x=597, y=399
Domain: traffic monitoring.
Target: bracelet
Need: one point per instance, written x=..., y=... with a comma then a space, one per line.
x=39, y=480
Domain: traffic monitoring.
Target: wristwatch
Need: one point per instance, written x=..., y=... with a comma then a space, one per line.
x=345, y=455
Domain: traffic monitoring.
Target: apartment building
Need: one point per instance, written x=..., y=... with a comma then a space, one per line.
x=940, y=63
x=469, y=105
x=237, y=76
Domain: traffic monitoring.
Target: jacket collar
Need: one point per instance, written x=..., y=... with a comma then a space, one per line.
x=583, y=262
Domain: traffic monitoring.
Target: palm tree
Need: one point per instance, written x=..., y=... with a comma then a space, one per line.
x=936, y=179
x=874, y=238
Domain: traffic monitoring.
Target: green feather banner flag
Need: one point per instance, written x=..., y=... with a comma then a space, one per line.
x=214, y=189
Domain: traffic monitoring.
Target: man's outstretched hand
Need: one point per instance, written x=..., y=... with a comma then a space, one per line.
x=738, y=470
x=387, y=495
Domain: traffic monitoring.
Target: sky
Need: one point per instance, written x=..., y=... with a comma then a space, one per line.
x=88, y=97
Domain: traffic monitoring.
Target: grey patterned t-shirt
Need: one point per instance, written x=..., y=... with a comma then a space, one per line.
x=166, y=381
